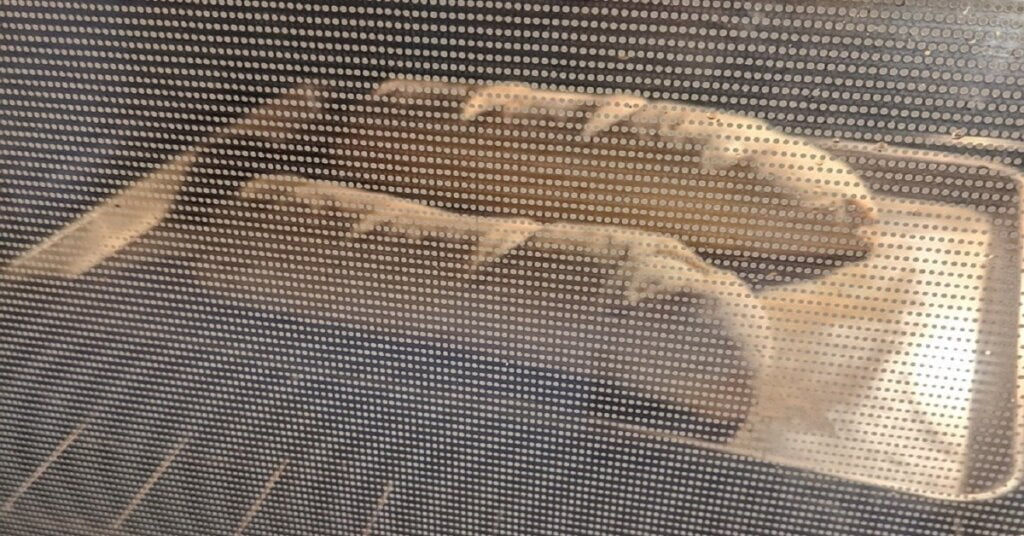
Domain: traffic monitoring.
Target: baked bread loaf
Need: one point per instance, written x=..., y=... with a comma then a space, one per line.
x=638, y=308
x=728, y=185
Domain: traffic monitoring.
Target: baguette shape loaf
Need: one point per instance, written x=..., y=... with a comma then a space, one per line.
x=727, y=185
x=638, y=308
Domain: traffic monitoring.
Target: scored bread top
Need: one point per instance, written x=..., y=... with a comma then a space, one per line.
x=639, y=307
x=729, y=185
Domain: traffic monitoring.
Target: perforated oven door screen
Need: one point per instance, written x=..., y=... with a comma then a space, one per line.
x=473, y=267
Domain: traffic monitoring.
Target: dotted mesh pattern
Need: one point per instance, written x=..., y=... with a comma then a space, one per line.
x=466, y=267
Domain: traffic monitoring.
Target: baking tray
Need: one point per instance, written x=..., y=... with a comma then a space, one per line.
x=925, y=199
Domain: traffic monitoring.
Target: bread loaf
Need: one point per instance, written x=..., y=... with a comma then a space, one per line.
x=725, y=184
x=638, y=308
